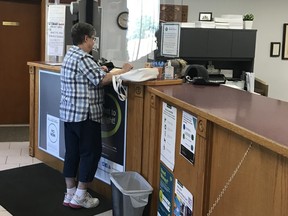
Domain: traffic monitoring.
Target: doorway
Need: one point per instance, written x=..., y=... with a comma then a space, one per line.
x=20, y=36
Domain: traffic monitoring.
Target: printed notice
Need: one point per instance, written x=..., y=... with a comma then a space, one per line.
x=113, y=135
x=56, y=30
x=183, y=201
x=52, y=134
x=168, y=135
x=170, y=39
x=188, y=136
x=165, y=192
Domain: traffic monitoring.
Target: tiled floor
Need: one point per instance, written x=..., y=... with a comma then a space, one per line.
x=16, y=154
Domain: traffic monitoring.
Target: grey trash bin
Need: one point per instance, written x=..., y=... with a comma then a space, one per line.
x=130, y=193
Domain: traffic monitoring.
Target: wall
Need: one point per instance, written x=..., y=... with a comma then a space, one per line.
x=269, y=19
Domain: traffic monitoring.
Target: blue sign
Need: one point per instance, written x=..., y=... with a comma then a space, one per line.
x=165, y=191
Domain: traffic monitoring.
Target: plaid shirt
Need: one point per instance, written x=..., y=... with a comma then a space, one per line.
x=81, y=93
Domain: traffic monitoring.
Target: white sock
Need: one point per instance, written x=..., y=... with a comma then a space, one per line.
x=80, y=192
x=71, y=191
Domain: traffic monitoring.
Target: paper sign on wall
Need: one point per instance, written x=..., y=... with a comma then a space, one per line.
x=56, y=30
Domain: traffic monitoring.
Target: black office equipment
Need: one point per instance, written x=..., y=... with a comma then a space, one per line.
x=198, y=75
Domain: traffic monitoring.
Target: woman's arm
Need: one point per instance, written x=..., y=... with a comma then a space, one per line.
x=108, y=77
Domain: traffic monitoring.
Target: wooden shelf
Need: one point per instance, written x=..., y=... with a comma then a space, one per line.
x=164, y=82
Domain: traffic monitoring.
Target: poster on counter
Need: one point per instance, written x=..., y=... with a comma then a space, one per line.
x=52, y=135
x=165, y=192
x=168, y=135
x=50, y=127
x=170, y=39
x=188, y=136
x=183, y=200
x=56, y=30
x=113, y=136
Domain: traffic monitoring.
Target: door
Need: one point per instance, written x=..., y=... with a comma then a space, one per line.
x=20, y=42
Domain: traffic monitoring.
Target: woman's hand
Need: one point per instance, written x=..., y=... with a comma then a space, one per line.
x=108, y=77
x=104, y=68
x=127, y=67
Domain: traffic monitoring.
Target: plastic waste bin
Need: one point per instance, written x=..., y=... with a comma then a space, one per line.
x=130, y=193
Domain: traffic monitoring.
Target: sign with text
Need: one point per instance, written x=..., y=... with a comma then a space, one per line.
x=188, y=136
x=170, y=39
x=165, y=191
x=56, y=30
x=168, y=135
x=113, y=136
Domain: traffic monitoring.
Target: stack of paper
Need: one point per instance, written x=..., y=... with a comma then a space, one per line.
x=250, y=81
x=205, y=24
x=188, y=25
x=229, y=21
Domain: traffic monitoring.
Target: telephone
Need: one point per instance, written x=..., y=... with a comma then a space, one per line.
x=198, y=75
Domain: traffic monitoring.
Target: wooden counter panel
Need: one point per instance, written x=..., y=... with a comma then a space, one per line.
x=258, y=188
x=151, y=151
x=32, y=71
x=134, y=128
x=261, y=119
x=44, y=65
x=192, y=176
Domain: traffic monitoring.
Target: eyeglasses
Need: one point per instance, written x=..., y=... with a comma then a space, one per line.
x=93, y=38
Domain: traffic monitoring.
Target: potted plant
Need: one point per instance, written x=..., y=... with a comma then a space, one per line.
x=248, y=20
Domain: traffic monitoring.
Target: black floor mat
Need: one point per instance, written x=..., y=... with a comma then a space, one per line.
x=38, y=190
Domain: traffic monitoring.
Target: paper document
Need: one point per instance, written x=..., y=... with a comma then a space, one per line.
x=250, y=80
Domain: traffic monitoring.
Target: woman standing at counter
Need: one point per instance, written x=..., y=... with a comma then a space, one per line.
x=81, y=108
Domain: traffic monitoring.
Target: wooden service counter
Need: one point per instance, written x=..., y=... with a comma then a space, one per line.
x=135, y=118
x=241, y=151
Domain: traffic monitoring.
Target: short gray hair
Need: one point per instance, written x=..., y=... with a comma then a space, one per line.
x=79, y=30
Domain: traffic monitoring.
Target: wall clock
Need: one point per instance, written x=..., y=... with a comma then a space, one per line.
x=122, y=20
